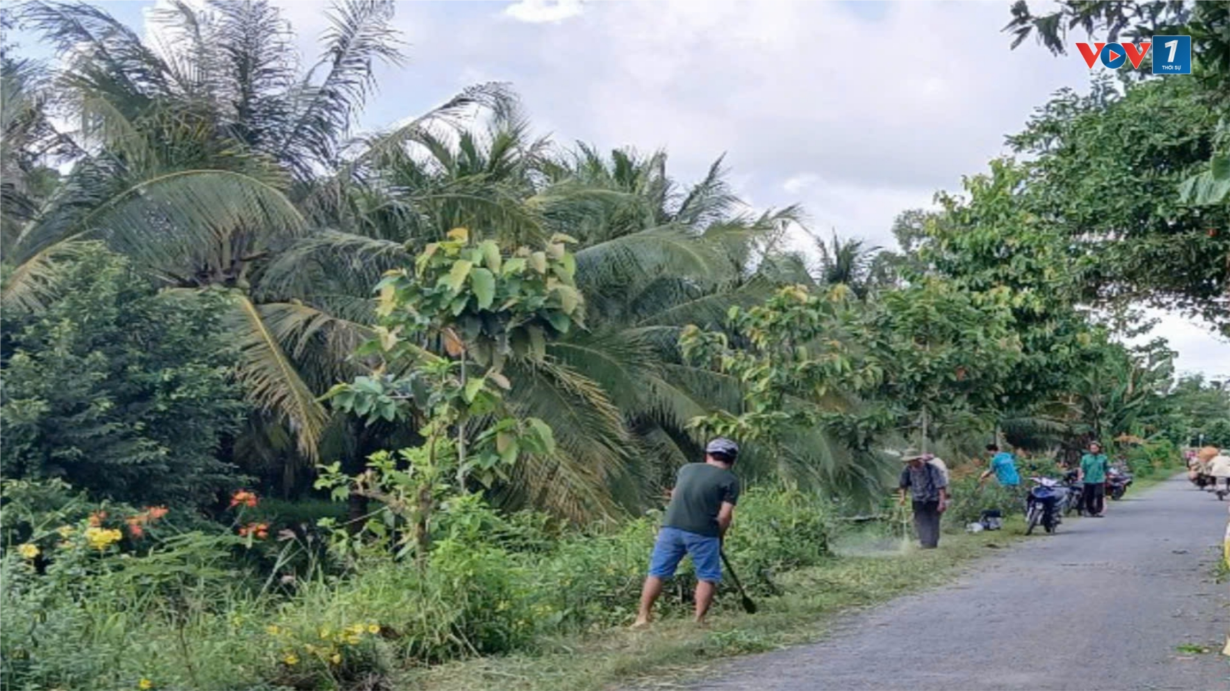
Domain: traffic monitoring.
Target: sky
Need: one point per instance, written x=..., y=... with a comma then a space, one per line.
x=856, y=110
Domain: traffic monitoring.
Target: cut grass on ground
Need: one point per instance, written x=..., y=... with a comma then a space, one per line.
x=675, y=650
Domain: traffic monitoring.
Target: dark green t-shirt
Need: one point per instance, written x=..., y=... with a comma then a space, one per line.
x=700, y=489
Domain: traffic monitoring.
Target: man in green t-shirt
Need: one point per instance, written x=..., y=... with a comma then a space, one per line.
x=701, y=508
x=1093, y=474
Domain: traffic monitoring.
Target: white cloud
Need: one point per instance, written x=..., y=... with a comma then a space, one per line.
x=1199, y=348
x=538, y=11
x=857, y=115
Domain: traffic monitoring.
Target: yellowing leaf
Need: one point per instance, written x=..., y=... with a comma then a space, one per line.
x=459, y=234
x=457, y=276
x=569, y=297
x=491, y=255
x=388, y=338
x=561, y=238
x=386, y=304
x=538, y=261
x=452, y=344
x=500, y=380
x=556, y=250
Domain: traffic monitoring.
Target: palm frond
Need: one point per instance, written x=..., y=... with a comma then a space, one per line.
x=269, y=377
x=360, y=34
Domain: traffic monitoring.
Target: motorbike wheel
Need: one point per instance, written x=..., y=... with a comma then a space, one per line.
x=1031, y=519
x=1074, y=505
x=1117, y=493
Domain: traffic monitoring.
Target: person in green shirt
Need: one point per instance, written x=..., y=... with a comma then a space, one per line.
x=701, y=508
x=1093, y=474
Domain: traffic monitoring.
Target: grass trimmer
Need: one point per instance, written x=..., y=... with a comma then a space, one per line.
x=748, y=605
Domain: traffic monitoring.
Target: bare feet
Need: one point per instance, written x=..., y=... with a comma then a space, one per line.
x=640, y=624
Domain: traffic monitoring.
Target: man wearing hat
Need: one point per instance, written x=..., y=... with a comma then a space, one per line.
x=701, y=507
x=928, y=489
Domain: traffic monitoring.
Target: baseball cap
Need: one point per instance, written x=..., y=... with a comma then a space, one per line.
x=724, y=448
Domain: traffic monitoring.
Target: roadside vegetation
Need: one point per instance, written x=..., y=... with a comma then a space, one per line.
x=290, y=406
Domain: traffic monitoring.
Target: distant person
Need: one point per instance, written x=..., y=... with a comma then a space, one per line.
x=1093, y=475
x=702, y=505
x=1219, y=469
x=928, y=491
x=1003, y=467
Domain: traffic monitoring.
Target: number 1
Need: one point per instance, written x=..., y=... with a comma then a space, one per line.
x=1173, y=46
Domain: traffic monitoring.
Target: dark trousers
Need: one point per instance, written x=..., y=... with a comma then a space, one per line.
x=1094, y=497
x=927, y=523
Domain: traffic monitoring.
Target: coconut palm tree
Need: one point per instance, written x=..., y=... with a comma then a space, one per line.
x=195, y=156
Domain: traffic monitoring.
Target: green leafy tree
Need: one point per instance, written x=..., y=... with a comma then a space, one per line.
x=120, y=390
x=948, y=354
x=482, y=308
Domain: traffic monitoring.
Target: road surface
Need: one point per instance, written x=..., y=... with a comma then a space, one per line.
x=1100, y=606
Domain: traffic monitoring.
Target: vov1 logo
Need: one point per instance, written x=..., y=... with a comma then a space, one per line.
x=1172, y=56
x=1112, y=55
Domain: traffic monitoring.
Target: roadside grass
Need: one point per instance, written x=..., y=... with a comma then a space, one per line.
x=674, y=650
x=876, y=569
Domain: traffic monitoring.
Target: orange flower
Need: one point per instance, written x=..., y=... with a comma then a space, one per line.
x=243, y=497
x=156, y=512
x=243, y=531
x=97, y=517
x=136, y=530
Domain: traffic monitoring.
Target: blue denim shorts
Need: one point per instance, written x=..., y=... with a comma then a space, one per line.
x=673, y=544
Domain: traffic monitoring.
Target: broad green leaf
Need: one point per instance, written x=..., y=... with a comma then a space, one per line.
x=560, y=321
x=513, y=266
x=546, y=436
x=472, y=388
x=569, y=265
x=483, y=282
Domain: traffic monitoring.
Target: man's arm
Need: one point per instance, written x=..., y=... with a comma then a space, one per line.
x=943, y=499
x=726, y=514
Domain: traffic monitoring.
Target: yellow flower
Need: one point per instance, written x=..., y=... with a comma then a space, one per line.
x=291, y=659
x=28, y=551
x=101, y=538
x=373, y=629
x=336, y=659
x=353, y=639
x=324, y=633
x=145, y=684
x=65, y=531
x=272, y=630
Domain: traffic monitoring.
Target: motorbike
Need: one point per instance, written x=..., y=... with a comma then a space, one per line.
x=1074, y=494
x=1117, y=482
x=1044, y=504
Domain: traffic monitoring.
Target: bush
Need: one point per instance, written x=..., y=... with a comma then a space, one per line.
x=779, y=530
x=119, y=389
x=969, y=500
x=183, y=612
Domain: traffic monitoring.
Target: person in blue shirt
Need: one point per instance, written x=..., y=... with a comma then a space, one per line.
x=1003, y=466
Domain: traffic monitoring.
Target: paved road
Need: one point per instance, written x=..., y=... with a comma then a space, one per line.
x=1100, y=606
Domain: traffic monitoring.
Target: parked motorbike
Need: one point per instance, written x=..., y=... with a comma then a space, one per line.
x=1117, y=482
x=1044, y=504
x=1074, y=495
